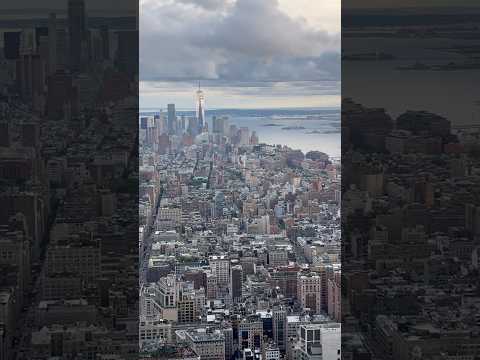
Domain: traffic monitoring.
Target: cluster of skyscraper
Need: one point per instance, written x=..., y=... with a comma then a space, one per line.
x=194, y=125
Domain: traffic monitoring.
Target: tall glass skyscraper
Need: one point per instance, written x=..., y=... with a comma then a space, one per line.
x=200, y=109
x=171, y=119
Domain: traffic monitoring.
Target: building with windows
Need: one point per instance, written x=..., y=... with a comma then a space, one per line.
x=309, y=291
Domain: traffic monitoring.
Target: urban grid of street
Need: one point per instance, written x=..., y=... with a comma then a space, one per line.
x=239, y=241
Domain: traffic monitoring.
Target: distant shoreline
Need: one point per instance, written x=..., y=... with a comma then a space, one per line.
x=153, y=109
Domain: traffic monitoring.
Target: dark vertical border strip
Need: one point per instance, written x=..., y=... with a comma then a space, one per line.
x=69, y=179
x=410, y=191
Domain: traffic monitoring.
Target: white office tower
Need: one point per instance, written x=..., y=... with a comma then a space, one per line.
x=318, y=342
x=220, y=266
x=208, y=343
x=272, y=353
x=244, y=136
x=167, y=296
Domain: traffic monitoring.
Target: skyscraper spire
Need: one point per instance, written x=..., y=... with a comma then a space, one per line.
x=200, y=109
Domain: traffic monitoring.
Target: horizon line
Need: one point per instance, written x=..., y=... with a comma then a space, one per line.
x=158, y=108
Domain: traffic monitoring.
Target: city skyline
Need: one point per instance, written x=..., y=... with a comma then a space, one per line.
x=315, y=128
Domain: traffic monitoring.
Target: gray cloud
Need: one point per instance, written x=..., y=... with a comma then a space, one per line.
x=233, y=41
x=206, y=4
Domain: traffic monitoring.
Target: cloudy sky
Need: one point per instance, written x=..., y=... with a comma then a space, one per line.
x=246, y=53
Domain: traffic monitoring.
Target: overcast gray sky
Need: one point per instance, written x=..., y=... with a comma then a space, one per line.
x=247, y=53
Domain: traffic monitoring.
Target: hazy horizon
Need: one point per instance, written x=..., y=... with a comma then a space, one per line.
x=236, y=108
